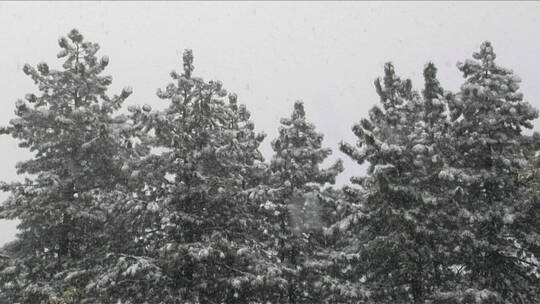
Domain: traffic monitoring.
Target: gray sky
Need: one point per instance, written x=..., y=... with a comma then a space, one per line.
x=271, y=54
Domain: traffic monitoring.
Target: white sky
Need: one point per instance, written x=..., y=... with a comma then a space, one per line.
x=271, y=54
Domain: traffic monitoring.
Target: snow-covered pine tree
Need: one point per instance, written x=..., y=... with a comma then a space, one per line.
x=397, y=251
x=79, y=149
x=293, y=212
x=488, y=116
x=193, y=214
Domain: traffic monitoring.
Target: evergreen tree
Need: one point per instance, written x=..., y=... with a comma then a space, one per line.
x=294, y=209
x=79, y=149
x=192, y=214
x=488, y=116
x=400, y=240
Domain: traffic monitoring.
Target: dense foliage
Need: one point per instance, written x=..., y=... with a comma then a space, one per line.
x=65, y=203
x=179, y=206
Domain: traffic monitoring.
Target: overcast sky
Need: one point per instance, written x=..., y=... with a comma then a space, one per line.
x=271, y=54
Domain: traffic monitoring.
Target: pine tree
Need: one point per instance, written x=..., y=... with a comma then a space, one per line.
x=192, y=214
x=398, y=247
x=79, y=149
x=488, y=116
x=293, y=211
